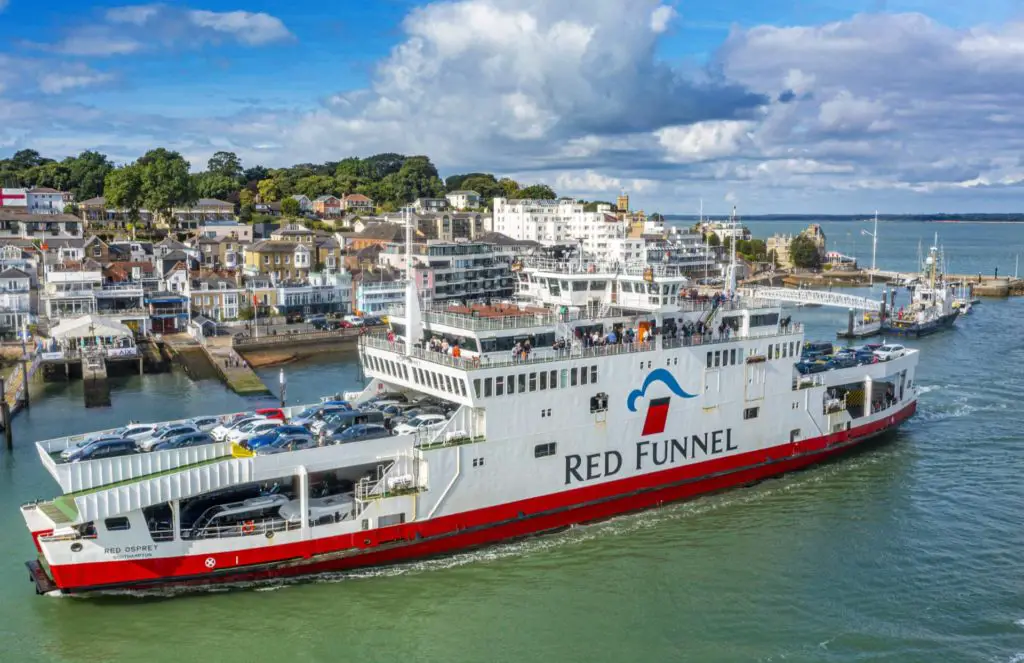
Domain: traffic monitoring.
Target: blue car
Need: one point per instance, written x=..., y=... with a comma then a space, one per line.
x=104, y=449
x=317, y=412
x=279, y=435
x=186, y=440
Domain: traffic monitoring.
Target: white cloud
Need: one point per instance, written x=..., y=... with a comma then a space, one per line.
x=661, y=17
x=96, y=43
x=253, y=28
x=703, y=141
x=846, y=113
x=588, y=181
x=57, y=82
x=133, y=14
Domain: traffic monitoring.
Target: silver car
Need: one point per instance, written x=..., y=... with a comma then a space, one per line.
x=166, y=433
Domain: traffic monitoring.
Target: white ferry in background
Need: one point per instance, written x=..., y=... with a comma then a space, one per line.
x=572, y=408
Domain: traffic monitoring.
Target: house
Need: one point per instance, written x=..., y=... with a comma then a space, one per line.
x=220, y=253
x=305, y=204
x=357, y=203
x=132, y=251
x=328, y=253
x=64, y=249
x=293, y=232
x=327, y=206
x=168, y=261
x=779, y=245
x=463, y=200
x=131, y=272
x=378, y=290
x=450, y=226
x=176, y=278
x=72, y=289
x=379, y=233
x=43, y=227
x=15, y=301
x=430, y=204
x=216, y=297
x=325, y=292
x=204, y=210
x=503, y=245
x=44, y=200
x=263, y=230
x=22, y=257
x=168, y=311
x=279, y=259
x=226, y=228
x=269, y=209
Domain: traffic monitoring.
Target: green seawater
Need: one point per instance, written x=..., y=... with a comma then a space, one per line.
x=909, y=551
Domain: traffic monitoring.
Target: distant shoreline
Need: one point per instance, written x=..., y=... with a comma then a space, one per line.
x=812, y=218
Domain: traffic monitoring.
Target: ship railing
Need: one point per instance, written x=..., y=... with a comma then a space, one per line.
x=808, y=381
x=575, y=351
x=461, y=428
x=265, y=527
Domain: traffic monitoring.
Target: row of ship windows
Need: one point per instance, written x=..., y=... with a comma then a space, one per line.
x=538, y=381
x=429, y=379
x=734, y=356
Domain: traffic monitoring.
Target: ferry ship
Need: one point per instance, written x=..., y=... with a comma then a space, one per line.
x=933, y=303
x=562, y=411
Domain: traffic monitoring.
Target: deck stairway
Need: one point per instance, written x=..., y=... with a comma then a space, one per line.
x=466, y=425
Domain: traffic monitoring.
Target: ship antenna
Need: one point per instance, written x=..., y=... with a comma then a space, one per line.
x=412, y=311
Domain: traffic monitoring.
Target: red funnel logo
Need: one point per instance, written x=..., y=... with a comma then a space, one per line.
x=657, y=413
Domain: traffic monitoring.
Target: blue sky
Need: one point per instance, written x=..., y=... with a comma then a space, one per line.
x=774, y=106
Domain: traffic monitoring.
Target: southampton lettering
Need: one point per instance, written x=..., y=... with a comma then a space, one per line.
x=649, y=454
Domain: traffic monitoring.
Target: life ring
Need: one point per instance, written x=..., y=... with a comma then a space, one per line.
x=248, y=527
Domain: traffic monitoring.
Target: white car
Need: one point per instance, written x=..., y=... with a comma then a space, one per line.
x=890, y=351
x=205, y=424
x=354, y=320
x=252, y=429
x=137, y=431
x=220, y=433
x=163, y=434
x=423, y=422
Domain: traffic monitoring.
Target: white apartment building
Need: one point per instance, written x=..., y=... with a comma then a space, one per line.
x=44, y=200
x=376, y=293
x=71, y=290
x=325, y=292
x=454, y=270
x=15, y=300
x=544, y=221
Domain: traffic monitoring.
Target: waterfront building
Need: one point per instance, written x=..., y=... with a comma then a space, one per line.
x=454, y=270
x=24, y=257
x=779, y=243
x=377, y=291
x=324, y=292
x=72, y=289
x=447, y=226
x=463, y=200
x=215, y=296
x=168, y=311
x=544, y=221
x=89, y=334
x=15, y=301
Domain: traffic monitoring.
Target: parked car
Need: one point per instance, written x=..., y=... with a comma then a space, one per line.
x=165, y=433
x=315, y=319
x=103, y=449
x=807, y=367
x=292, y=317
x=83, y=443
x=354, y=320
x=358, y=433
x=816, y=348
x=890, y=351
x=286, y=444
x=187, y=440
x=422, y=422
x=205, y=423
x=273, y=437
x=343, y=420
x=841, y=361
x=271, y=413
x=252, y=429
x=221, y=432
x=318, y=412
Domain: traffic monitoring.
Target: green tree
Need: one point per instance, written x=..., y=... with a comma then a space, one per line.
x=246, y=211
x=269, y=190
x=537, y=192
x=226, y=164
x=592, y=206
x=165, y=181
x=246, y=197
x=71, y=208
x=803, y=252
x=312, y=186
x=88, y=173
x=25, y=159
x=485, y=185
x=290, y=207
x=509, y=187
x=255, y=174
x=123, y=190
x=214, y=185
x=713, y=239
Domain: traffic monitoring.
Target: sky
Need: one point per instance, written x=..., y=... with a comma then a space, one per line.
x=773, y=106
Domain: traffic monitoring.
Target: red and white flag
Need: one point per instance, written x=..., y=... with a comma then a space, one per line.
x=13, y=198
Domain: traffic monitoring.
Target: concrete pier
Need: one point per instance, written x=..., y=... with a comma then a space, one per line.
x=97, y=389
x=234, y=370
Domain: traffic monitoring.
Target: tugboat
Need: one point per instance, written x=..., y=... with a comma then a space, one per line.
x=932, y=304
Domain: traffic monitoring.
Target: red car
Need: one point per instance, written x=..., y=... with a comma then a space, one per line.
x=271, y=413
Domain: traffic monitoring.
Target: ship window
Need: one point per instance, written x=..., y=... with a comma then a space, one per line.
x=499, y=386
x=626, y=286
x=433, y=380
x=565, y=378
x=462, y=387
x=599, y=402
x=544, y=450
x=543, y=380
x=794, y=434
x=732, y=356
x=487, y=387
x=769, y=350
x=750, y=413
x=553, y=380
x=448, y=384
x=593, y=374
x=533, y=382
x=579, y=286
x=522, y=382
x=718, y=358
x=583, y=374
x=709, y=360
x=476, y=387
x=573, y=377
x=405, y=372
x=511, y=384
x=118, y=524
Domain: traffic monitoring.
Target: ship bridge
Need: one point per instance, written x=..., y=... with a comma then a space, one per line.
x=819, y=297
